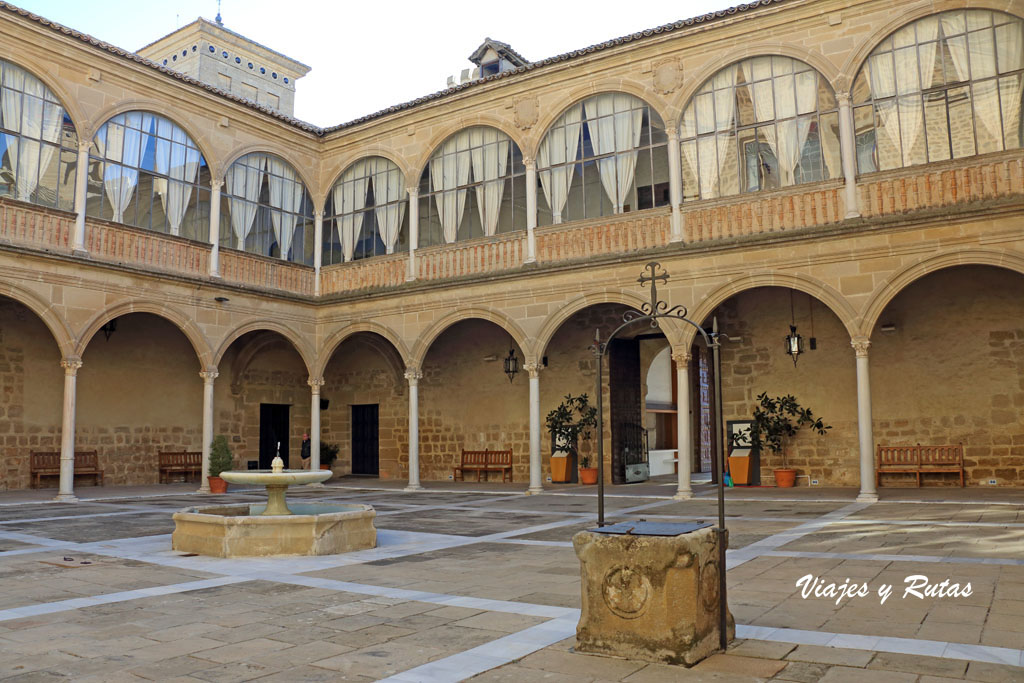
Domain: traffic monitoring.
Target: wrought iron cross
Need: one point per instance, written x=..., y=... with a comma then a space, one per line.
x=653, y=279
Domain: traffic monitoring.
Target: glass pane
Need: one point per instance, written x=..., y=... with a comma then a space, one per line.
x=830, y=146
x=691, y=187
x=982, y=53
x=935, y=126
x=751, y=178
x=1011, y=89
x=728, y=173
x=912, y=130
x=887, y=136
x=988, y=127
x=1010, y=47
x=744, y=107
x=961, y=122
x=864, y=132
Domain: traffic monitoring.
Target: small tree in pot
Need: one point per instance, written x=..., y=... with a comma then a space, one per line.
x=572, y=419
x=776, y=420
x=328, y=454
x=220, y=461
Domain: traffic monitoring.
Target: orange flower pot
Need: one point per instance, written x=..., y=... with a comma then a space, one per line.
x=785, y=479
x=588, y=475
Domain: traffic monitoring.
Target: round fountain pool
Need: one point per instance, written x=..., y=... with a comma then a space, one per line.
x=245, y=531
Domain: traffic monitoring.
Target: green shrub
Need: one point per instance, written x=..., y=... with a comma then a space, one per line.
x=220, y=456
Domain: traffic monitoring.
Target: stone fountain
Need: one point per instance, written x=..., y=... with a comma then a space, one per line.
x=274, y=528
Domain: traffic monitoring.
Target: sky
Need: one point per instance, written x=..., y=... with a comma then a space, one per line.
x=367, y=56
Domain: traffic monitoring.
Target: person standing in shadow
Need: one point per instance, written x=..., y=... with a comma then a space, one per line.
x=304, y=452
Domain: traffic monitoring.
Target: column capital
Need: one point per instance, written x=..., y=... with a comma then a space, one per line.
x=84, y=145
x=681, y=357
x=672, y=133
x=843, y=99
x=209, y=375
x=530, y=163
x=216, y=183
x=414, y=191
x=860, y=346
x=533, y=369
x=413, y=375
x=315, y=383
x=71, y=365
x=318, y=214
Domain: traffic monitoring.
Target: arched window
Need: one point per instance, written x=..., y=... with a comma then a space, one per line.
x=760, y=124
x=38, y=142
x=944, y=87
x=365, y=213
x=265, y=209
x=604, y=155
x=145, y=171
x=474, y=185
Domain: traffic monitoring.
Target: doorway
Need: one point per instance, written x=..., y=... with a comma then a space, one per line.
x=365, y=440
x=273, y=430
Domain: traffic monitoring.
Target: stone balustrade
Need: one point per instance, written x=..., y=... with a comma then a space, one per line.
x=607, y=235
x=239, y=267
x=884, y=193
x=35, y=226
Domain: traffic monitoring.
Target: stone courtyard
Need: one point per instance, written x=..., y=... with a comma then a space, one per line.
x=478, y=581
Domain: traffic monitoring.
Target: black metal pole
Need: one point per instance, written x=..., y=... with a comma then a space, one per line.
x=723, y=638
x=599, y=352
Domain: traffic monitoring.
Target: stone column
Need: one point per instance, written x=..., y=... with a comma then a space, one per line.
x=208, y=377
x=81, y=195
x=675, y=184
x=868, y=492
x=318, y=248
x=848, y=147
x=414, y=230
x=413, y=375
x=536, y=483
x=314, y=422
x=215, y=185
x=684, y=439
x=531, y=209
x=66, y=493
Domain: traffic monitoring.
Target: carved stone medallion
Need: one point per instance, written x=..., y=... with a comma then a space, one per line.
x=526, y=111
x=668, y=76
x=627, y=593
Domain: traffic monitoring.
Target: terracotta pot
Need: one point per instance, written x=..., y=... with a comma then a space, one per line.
x=588, y=475
x=325, y=467
x=785, y=479
x=217, y=485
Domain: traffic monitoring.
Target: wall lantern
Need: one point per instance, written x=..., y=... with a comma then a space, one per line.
x=109, y=328
x=794, y=343
x=511, y=364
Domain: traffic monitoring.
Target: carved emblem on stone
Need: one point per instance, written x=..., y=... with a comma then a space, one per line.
x=627, y=592
x=526, y=111
x=668, y=75
x=709, y=585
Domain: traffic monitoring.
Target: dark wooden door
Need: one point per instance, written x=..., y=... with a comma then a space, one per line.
x=273, y=429
x=365, y=440
x=626, y=409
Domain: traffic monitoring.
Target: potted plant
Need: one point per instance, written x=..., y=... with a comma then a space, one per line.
x=328, y=454
x=572, y=419
x=220, y=460
x=776, y=420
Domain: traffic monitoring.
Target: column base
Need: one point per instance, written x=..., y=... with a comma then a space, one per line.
x=65, y=498
x=534, y=490
x=315, y=485
x=80, y=253
x=413, y=487
x=867, y=498
x=683, y=495
x=205, y=488
x=852, y=214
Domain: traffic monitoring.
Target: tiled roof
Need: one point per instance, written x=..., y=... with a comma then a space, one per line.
x=308, y=127
x=500, y=48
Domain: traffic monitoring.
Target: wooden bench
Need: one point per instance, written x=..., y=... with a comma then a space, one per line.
x=918, y=460
x=484, y=461
x=47, y=464
x=180, y=462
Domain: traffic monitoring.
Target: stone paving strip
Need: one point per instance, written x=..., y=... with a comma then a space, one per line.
x=513, y=649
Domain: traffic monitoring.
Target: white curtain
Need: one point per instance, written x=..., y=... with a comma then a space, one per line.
x=349, y=201
x=713, y=150
x=489, y=155
x=10, y=105
x=36, y=120
x=243, y=188
x=763, y=98
x=123, y=141
x=449, y=173
x=387, y=196
x=614, y=121
x=286, y=198
x=175, y=158
x=1010, y=52
x=557, y=153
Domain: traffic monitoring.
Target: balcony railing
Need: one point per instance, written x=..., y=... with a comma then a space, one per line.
x=935, y=186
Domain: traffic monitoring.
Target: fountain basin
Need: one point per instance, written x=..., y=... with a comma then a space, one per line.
x=244, y=531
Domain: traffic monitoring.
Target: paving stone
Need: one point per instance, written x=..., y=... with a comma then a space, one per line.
x=817, y=654
x=994, y=673
x=581, y=664
x=802, y=672
x=762, y=648
x=745, y=666
x=846, y=674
